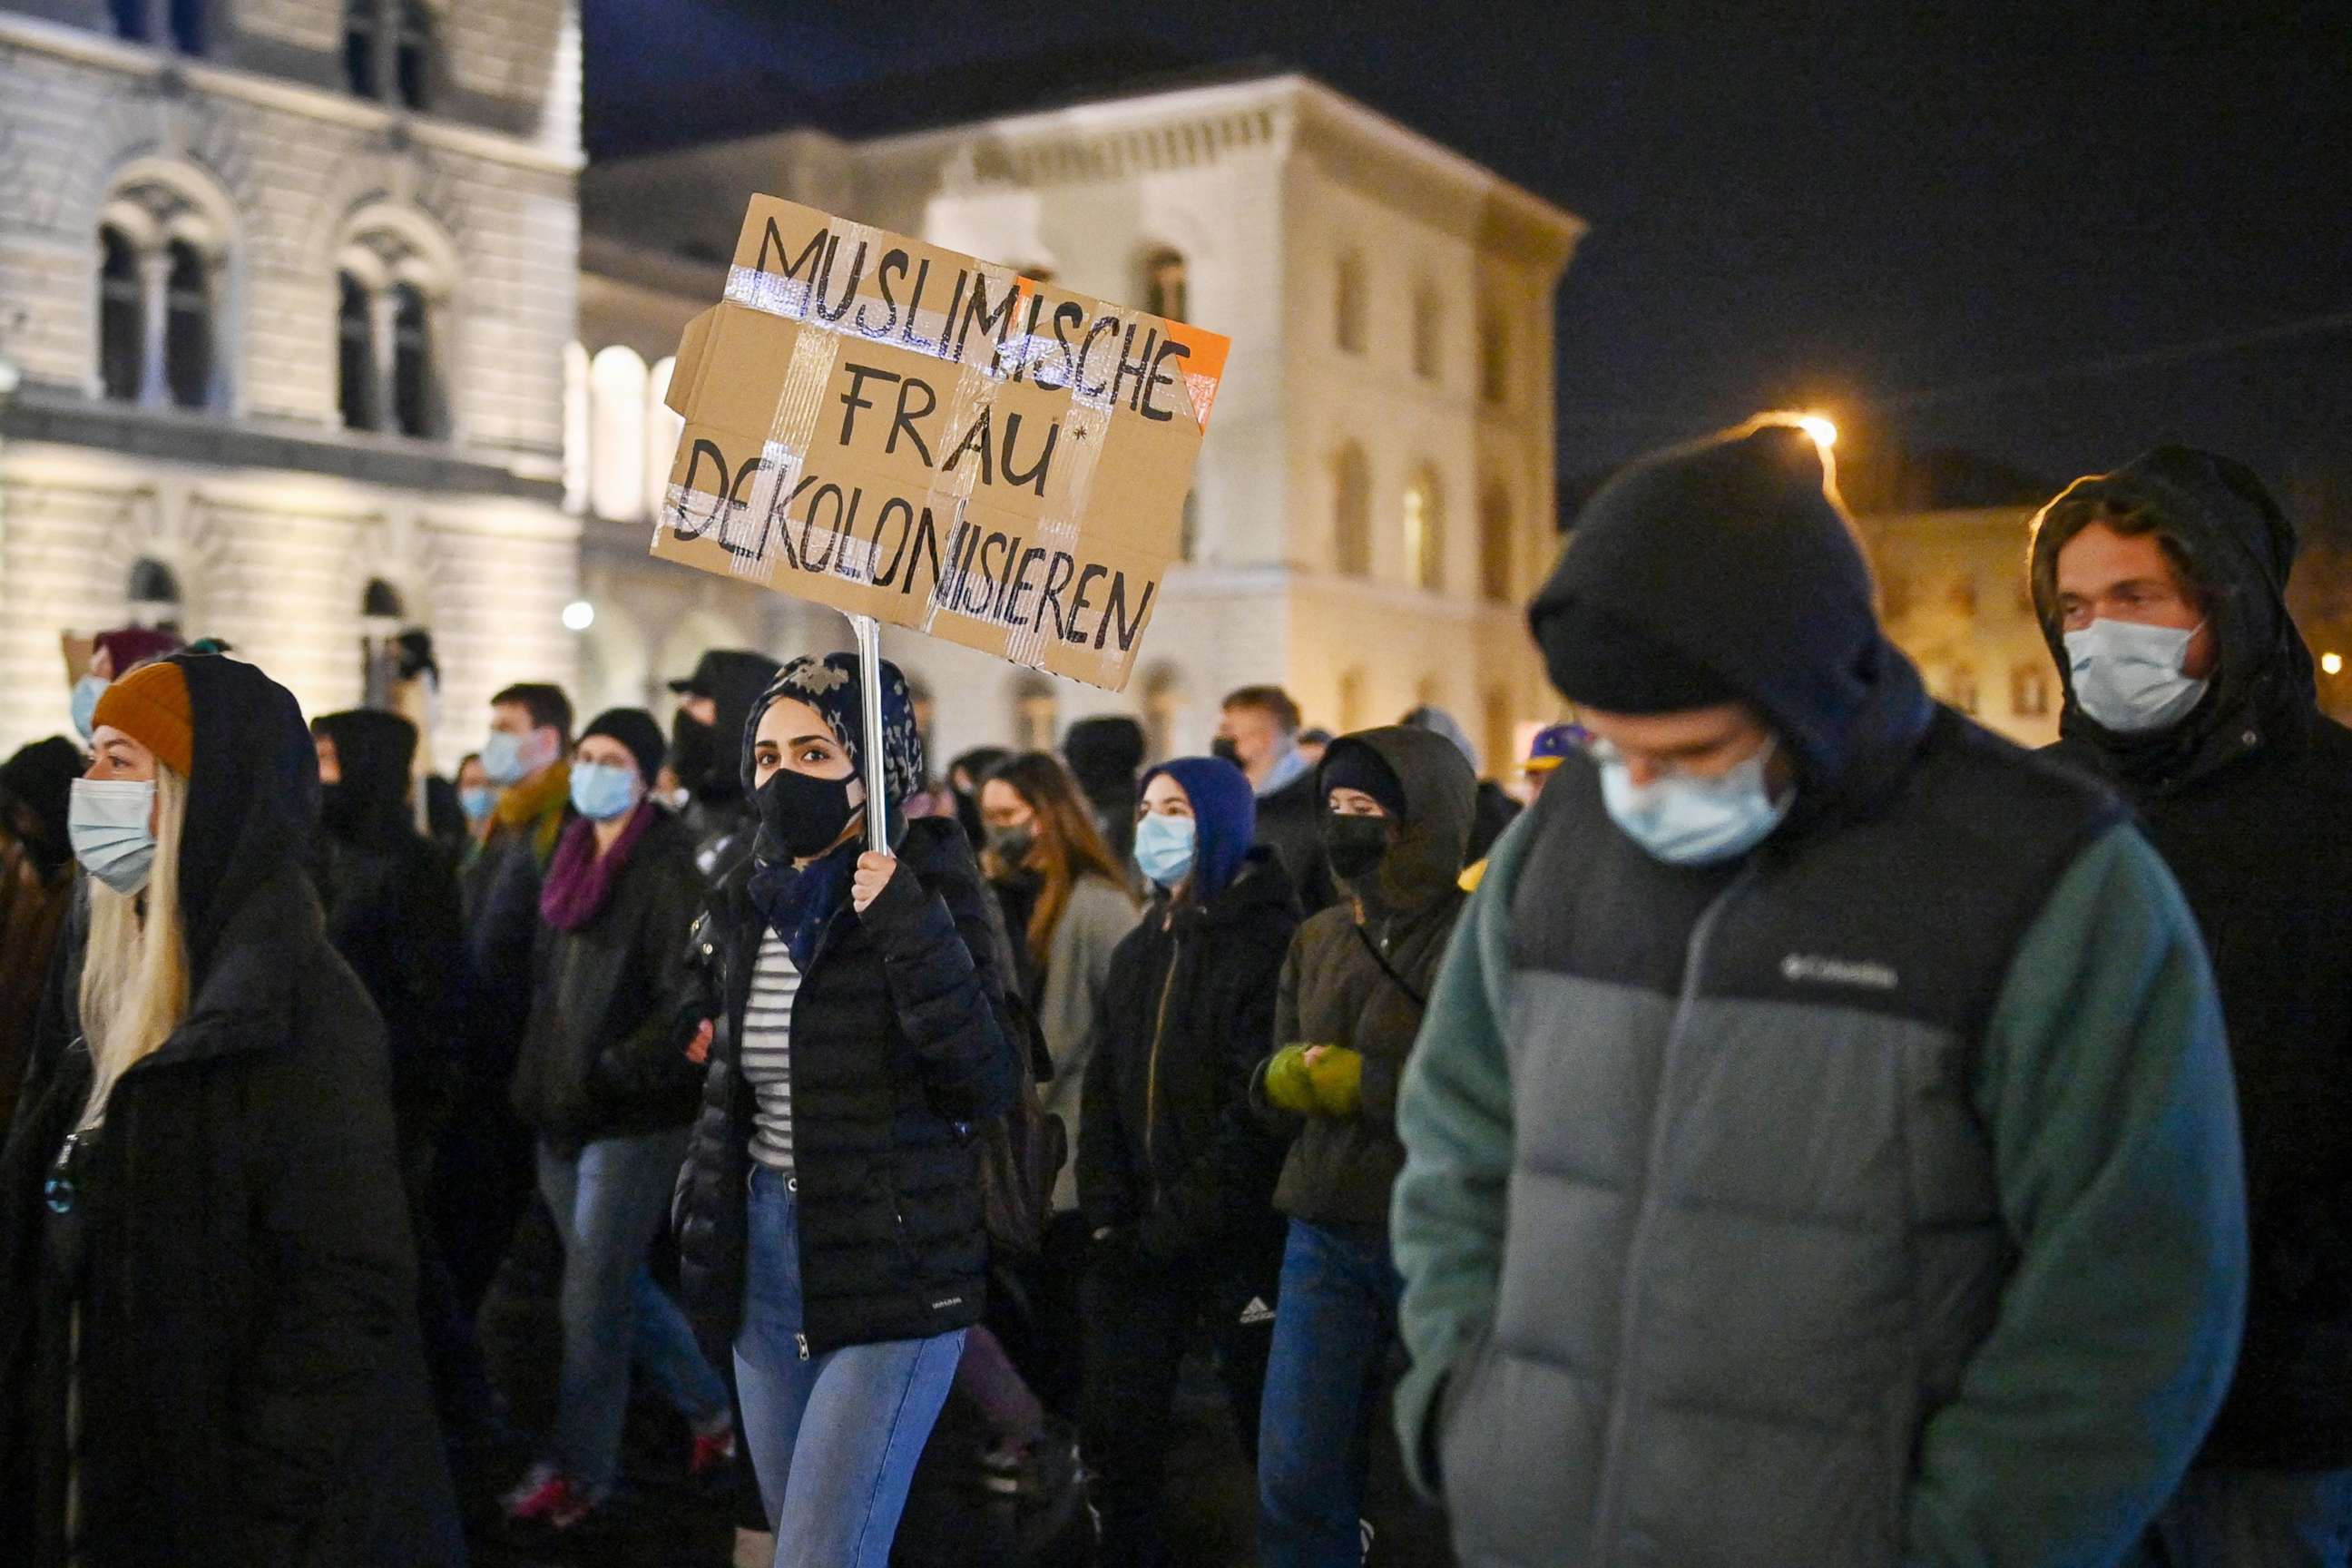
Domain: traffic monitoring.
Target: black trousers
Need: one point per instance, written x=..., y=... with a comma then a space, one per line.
x=1141, y=1316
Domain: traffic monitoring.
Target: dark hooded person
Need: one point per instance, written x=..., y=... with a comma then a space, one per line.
x=2161, y=589
x=36, y=888
x=1399, y=807
x=1821, y=1147
x=703, y=734
x=210, y=1356
x=1257, y=731
x=1106, y=755
x=829, y=1212
x=1497, y=810
x=1175, y=1176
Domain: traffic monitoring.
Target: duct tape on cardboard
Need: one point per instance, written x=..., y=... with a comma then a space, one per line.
x=904, y=432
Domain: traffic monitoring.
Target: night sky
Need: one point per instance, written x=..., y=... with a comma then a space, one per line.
x=2049, y=235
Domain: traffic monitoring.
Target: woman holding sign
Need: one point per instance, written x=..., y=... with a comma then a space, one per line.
x=829, y=1212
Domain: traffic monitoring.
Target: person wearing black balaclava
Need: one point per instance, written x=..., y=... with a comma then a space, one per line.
x=2161, y=589
x=829, y=1212
x=713, y=703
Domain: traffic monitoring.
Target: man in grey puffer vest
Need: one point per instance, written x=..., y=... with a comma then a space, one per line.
x=1820, y=1149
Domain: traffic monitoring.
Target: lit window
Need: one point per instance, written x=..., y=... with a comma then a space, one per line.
x=1167, y=290
x=1424, y=540
x=1351, y=512
x=187, y=328
x=2029, y=690
x=1350, y=302
x=1351, y=700
x=1424, y=334
x=1494, y=546
x=121, y=328
x=616, y=434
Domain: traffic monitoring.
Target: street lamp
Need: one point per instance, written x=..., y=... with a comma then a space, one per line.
x=2332, y=663
x=579, y=615
x=1820, y=427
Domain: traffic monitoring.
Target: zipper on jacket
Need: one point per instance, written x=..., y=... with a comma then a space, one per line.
x=1151, y=1070
x=800, y=1342
x=1608, y=1524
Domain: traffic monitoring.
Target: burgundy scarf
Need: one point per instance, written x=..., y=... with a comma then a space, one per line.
x=578, y=880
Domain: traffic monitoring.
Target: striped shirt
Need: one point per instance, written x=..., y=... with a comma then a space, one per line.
x=767, y=1054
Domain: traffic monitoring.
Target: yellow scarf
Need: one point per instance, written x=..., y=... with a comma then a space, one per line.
x=537, y=807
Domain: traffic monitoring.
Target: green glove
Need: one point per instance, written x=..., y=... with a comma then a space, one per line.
x=1337, y=1076
x=1287, y=1086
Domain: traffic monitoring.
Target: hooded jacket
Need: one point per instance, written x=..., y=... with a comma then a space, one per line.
x=1870, y=1199
x=35, y=886
x=252, y=1385
x=720, y=820
x=1358, y=974
x=1168, y=1155
x=391, y=905
x=2248, y=800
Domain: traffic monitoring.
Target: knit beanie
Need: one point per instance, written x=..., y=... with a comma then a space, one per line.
x=633, y=728
x=151, y=705
x=1352, y=764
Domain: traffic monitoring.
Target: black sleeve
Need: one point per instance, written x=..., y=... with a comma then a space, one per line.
x=648, y=1065
x=939, y=960
x=1106, y=1182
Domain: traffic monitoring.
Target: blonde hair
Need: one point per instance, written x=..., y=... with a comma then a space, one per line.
x=134, y=972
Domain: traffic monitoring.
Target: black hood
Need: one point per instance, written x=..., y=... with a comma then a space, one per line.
x=374, y=751
x=1726, y=570
x=733, y=680
x=1424, y=860
x=253, y=795
x=2239, y=547
x=41, y=778
x=1106, y=752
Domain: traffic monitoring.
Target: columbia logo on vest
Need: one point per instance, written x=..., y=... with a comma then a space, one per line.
x=1813, y=969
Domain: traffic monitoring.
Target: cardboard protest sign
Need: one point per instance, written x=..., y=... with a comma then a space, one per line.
x=906, y=432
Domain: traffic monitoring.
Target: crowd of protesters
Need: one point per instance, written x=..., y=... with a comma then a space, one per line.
x=1811, y=1131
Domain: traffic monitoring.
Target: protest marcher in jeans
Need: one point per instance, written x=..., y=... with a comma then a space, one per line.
x=603, y=1081
x=2161, y=589
x=1399, y=807
x=829, y=1213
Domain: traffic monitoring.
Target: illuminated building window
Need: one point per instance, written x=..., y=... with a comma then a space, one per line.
x=1036, y=711
x=1424, y=532
x=1494, y=546
x=1351, y=512
x=2029, y=690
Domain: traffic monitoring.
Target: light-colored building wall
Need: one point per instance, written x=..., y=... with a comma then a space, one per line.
x=1954, y=596
x=273, y=516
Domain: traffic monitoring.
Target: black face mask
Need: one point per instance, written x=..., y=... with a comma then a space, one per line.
x=1228, y=748
x=1354, y=844
x=1012, y=844
x=805, y=817
x=693, y=758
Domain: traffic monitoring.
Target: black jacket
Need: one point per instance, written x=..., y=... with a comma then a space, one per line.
x=901, y=1041
x=252, y=1383
x=1168, y=1151
x=1290, y=823
x=2248, y=800
x=602, y=1057
x=1358, y=975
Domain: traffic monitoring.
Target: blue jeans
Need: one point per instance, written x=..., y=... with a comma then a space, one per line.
x=1332, y=1335
x=2255, y=1519
x=834, y=1436
x=608, y=1201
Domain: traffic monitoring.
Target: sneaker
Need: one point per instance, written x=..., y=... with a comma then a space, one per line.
x=713, y=1452
x=546, y=1496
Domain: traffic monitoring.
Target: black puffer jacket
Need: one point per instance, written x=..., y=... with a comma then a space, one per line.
x=901, y=1040
x=602, y=1057
x=1358, y=977
x=252, y=1383
x=1168, y=1150
x=2248, y=800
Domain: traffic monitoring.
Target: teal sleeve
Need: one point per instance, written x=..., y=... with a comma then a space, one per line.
x=2105, y=1087
x=1454, y=1117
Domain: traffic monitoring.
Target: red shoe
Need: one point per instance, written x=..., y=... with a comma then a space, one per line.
x=712, y=1452
x=546, y=1496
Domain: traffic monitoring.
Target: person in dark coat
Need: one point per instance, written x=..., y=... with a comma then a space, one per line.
x=1175, y=1176
x=829, y=1212
x=2161, y=588
x=1257, y=731
x=604, y=1082
x=204, y=1244
x=1400, y=804
x=713, y=704
x=35, y=886
x=1106, y=755
x=1495, y=810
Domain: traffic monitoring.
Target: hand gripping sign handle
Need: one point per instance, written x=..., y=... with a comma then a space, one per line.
x=869, y=705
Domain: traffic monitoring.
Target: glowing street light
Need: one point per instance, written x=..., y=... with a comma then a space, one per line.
x=1820, y=427
x=579, y=615
x=2333, y=663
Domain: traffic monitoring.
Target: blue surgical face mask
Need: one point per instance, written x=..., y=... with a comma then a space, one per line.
x=1163, y=848
x=106, y=822
x=1689, y=821
x=478, y=802
x=2128, y=677
x=601, y=791
x=86, y=693
x=510, y=758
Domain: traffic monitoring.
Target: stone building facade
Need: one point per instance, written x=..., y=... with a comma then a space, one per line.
x=1954, y=594
x=1374, y=502
x=285, y=292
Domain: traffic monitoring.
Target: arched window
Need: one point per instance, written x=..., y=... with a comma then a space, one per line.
x=412, y=63
x=354, y=355
x=122, y=328
x=576, y=429
x=1348, y=301
x=1494, y=546
x=188, y=26
x=1167, y=288
x=188, y=327
x=416, y=397
x=2029, y=690
x=1351, y=512
x=1425, y=323
x=616, y=434
x=154, y=597
x=1494, y=358
x=360, y=20
x=1035, y=709
x=1425, y=531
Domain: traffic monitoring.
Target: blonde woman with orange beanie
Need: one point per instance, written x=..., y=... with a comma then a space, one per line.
x=209, y=1355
